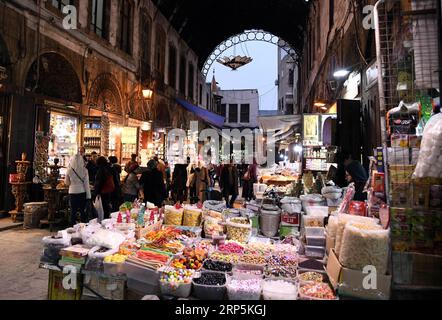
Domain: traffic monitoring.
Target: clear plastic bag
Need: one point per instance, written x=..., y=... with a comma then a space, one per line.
x=365, y=245
x=173, y=216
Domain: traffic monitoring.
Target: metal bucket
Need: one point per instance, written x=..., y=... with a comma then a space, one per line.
x=269, y=221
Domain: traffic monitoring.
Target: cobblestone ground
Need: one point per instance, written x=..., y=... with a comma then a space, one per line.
x=20, y=277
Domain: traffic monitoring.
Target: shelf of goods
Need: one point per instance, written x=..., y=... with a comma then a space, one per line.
x=92, y=137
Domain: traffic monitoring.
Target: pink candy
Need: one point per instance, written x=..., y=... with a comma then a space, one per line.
x=231, y=247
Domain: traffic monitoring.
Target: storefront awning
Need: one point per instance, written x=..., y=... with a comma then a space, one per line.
x=203, y=114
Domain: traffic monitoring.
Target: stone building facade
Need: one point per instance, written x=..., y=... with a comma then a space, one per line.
x=115, y=49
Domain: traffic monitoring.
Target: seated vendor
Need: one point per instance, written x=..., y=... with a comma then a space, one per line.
x=356, y=173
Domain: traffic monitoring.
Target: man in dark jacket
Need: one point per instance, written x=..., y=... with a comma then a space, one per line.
x=356, y=173
x=179, y=180
x=229, y=183
x=92, y=167
x=153, y=185
x=117, y=194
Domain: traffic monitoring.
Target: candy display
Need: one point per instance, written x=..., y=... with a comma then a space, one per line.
x=186, y=263
x=310, y=276
x=217, y=266
x=231, y=247
x=211, y=279
x=252, y=259
x=281, y=272
x=116, y=258
x=213, y=226
x=318, y=291
x=226, y=257
x=279, y=290
x=244, y=289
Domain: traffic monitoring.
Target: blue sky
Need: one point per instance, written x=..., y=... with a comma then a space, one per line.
x=260, y=74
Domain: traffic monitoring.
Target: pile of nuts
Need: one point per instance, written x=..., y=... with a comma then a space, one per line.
x=240, y=234
x=252, y=259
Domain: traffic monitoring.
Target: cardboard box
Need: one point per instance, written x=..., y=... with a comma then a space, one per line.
x=348, y=282
x=329, y=244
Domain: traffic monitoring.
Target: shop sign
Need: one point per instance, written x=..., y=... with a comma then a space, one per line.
x=311, y=128
x=371, y=75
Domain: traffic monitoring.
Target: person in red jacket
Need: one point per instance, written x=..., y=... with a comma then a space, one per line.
x=104, y=184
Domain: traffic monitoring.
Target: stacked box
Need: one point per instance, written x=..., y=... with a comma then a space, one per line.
x=401, y=228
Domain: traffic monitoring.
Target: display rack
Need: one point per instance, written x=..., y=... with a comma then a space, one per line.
x=129, y=143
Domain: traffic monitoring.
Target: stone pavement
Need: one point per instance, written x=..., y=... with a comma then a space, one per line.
x=20, y=277
x=7, y=223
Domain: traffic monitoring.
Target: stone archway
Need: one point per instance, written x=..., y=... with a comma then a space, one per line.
x=105, y=94
x=53, y=76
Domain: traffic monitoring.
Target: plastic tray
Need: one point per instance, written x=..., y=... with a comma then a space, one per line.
x=205, y=292
x=138, y=273
x=316, y=241
x=314, y=221
x=113, y=268
x=182, y=290
x=314, y=231
x=315, y=252
x=143, y=288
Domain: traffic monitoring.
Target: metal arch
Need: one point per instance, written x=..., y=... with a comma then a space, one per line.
x=248, y=35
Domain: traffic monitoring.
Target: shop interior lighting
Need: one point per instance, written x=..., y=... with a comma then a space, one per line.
x=297, y=149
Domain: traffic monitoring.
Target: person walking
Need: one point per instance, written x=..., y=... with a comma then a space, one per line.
x=168, y=178
x=77, y=179
x=201, y=181
x=229, y=183
x=117, y=194
x=131, y=162
x=131, y=186
x=153, y=186
x=179, y=180
x=104, y=185
x=92, y=167
x=250, y=177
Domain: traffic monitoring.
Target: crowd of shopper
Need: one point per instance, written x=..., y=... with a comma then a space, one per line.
x=97, y=176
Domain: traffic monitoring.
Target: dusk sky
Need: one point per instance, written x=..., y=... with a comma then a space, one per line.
x=260, y=74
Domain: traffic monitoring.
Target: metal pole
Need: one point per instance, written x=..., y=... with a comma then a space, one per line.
x=382, y=108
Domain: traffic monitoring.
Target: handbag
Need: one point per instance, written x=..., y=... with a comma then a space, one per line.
x=98, y=205
x=246, y=176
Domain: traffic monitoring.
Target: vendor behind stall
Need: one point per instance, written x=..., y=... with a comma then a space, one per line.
x=356, y=173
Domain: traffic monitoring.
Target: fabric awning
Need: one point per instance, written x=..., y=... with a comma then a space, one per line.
x=203, y=114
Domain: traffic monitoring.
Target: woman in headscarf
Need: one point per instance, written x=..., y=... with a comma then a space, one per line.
x=131, y=187
x=153, y=186
x=77, y=179
x=356, y=173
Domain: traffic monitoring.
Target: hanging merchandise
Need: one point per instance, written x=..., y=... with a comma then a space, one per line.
x=429, y=164
x=404, y=119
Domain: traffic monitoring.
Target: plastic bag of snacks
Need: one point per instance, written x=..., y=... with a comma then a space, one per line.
x=173, y=216
x=343, y=219
x=430, y=156
x=192, y=216
x=364, y=245
x=213, y=226
x=239, y=229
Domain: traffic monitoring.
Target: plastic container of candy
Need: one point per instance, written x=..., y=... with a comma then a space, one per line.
x=242, y=289
x=209, y=292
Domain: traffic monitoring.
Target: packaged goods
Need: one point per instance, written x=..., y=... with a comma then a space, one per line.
x=192, y=216
x=348, y=197
x=217, y=206
x=244, y=289
x=399, y=140
x=317, y=291
x=332, y=226
x=414, y=141
x=365, y=245
x=357, y=208
x=313, y=221
x=239, y=229
x=288, y=272
x=343, y=219
x=177, y=283
x=213, y=226
x=398, y=156
x=106, y=238
x=279, y=290
x=173, y=216
x=421, y=196
x=430, y=155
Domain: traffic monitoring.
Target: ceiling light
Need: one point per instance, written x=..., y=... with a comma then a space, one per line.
x=342, y=73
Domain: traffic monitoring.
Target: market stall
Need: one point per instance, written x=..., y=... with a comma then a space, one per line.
x=275, y=249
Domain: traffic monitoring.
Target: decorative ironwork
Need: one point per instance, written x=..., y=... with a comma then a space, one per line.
x=248, y=35
x=105, y=94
